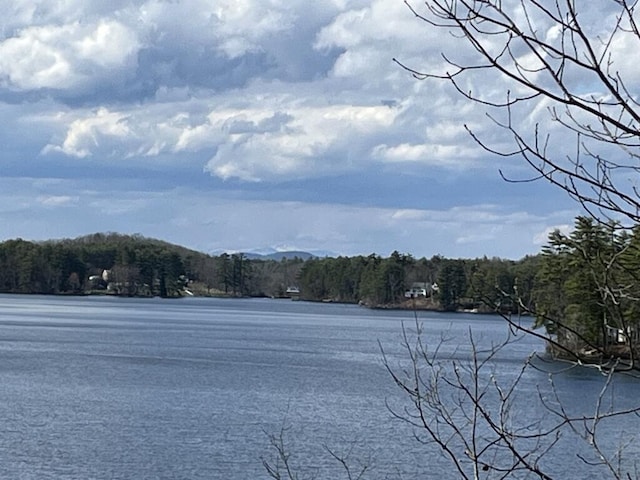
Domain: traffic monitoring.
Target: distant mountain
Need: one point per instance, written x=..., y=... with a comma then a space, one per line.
x=278, y=256
x=270, y=253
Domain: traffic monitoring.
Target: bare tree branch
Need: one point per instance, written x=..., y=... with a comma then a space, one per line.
x=542, y=51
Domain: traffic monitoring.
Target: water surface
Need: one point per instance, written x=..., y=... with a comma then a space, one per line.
x=111, y=388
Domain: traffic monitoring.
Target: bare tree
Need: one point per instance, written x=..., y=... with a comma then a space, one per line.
x=464, y=409
x=281, y=466
x=572, y=59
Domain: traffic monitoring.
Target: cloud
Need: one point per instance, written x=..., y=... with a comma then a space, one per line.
x=453, y=156
x=64, y=57
x=87, y=52
x=57, y=200
x=250, y=143
x=266, y=130
x=309, y=140
x=87, y=133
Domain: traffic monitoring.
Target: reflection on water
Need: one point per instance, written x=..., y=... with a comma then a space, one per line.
x=110, y=388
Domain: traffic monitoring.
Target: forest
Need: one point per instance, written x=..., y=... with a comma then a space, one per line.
x=132, y=265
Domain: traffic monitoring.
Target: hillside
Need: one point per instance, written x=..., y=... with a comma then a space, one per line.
x=134, y=265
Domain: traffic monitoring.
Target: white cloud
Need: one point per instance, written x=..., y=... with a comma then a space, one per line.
x=109, y=44
x=453, y=156
x=408, y=214
x=251, y=143
x=85, y=134
x=57, y=200
x=381, y=22
x=308, y=135
x=241, y=24
x=135, y=134
x=66, y=56
x=304, y=145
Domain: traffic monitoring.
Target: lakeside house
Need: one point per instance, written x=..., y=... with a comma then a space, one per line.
x=293, y=293
x=421, y=289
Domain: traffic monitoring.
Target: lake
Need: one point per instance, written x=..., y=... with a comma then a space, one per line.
x=114, y=388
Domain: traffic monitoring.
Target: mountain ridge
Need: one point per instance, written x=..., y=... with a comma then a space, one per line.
x=279, y=256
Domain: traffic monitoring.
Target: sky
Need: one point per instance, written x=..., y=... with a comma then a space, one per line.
x=252, y=125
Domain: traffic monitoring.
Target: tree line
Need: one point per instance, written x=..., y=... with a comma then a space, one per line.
x=133, y=265
x=449, y=284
